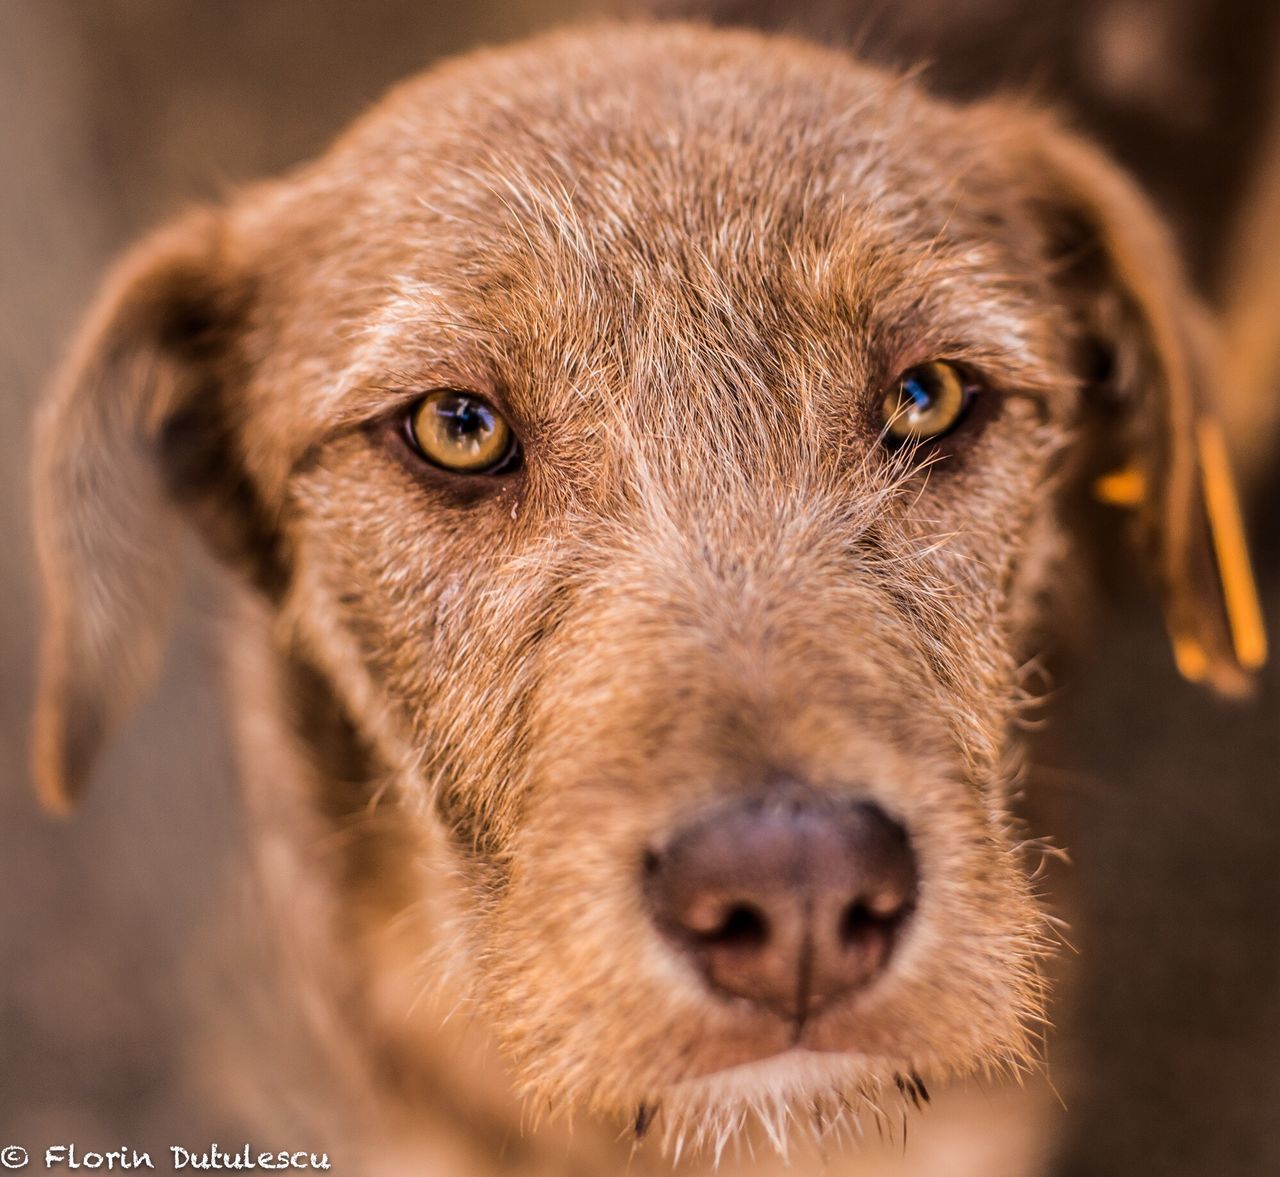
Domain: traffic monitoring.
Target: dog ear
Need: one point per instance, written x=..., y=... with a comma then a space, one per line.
x=134, y=425
x=1152, y=369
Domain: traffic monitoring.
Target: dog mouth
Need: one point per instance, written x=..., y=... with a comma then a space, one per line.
x=763, y=1046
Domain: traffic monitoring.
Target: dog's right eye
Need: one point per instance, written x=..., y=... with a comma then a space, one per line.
x=461, y=432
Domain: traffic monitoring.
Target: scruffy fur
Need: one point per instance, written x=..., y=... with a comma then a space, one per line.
x=686, y=264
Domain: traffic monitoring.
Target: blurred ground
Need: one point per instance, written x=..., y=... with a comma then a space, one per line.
x=117, y=112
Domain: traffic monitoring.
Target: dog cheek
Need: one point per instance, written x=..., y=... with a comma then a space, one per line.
x=458, y=654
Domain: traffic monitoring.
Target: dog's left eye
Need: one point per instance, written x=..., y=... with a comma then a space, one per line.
x=924, y=403
x=462, y=432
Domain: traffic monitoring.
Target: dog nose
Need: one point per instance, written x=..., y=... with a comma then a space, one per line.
x=789, y=907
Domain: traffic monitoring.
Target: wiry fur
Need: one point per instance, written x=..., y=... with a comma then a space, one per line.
x=687, y=265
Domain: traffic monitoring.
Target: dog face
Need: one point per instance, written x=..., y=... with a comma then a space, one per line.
x=652, y=438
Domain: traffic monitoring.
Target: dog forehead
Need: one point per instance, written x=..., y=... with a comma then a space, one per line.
x=652, y=145
x=642, y=143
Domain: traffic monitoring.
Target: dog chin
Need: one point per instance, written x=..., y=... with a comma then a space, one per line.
x=796, y=1073
x=796, y=1093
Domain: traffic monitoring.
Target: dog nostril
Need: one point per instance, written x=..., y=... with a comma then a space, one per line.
x=865, y=919
x=743, y=926
x=855, y=923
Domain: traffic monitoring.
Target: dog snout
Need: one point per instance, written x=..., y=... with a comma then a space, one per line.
x=789, y=907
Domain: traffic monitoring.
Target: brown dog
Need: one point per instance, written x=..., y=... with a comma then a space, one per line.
x=644, y=452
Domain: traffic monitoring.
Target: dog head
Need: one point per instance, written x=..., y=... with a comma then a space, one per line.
x=653, y=439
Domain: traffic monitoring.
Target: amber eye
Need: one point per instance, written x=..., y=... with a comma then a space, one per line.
x=460, y=432
x=925, y=402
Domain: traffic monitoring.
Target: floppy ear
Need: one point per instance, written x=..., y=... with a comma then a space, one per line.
x=135, y=424
x=1155, y=365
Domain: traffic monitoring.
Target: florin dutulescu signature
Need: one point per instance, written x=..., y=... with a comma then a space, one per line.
x=246, y=1158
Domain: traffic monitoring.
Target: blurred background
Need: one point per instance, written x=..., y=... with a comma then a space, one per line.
x=114, y=114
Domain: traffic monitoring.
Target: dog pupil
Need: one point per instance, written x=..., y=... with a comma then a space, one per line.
x=920, y=395
x=466, y=421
